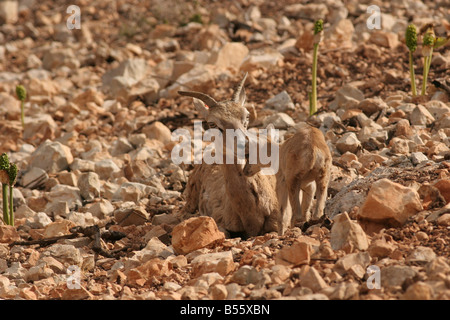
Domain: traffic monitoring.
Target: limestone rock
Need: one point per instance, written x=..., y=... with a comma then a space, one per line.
x=51, y=156
x=196, y=233
x=347, y=232
x=389, y=202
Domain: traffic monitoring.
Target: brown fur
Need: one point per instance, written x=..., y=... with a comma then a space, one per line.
x=237, y=203
x=305, y=163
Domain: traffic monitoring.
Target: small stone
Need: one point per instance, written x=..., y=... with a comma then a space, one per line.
x=403, y=128
x=58, y=228
x=66, y=254
x=34, y=178
x=390, y=203
x=101, y=209
x=421, y=254
x=39, y=220
x=444, y=188
x=8, y=234
x=196, y=233
x=297, y=254
x=444, y=220
x=133, y=70
x=230, y=55
x=67, y=178
x=418, y=157
x=89, y=185
x=121, y=146
x=399, y=145
x=348, y=143
x=106, y=169
x=345, y=95
x=218, y=292
x=158, y=131
x=344, y=291
x=418, y=291
x=63, y=193
x=347, y=232
x=279, y=120
x=380, y=248
x=281, y=102
x=384, y=39
x=247, y=275
x=9, y=12
x=77, y=294
x=371, y=105
x=39, y=128
x=130, y=215
x=313, y=280
x=51, y=156
x=61, y=57
x=220, y=262
x=437, y=266
x=421, y=116
x=393, y=276
x=344, y=264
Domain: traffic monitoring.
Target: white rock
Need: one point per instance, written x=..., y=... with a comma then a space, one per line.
x=421, y=116
x=281, y=102
x=9, y=12
x=230, y=55
x=51, y=157
x=346, y=94
x=107, y=169
x=64, y=253
x=345, y=231
x=89, y=185
x=348, y=143
x=42, y=124
x=261, y=59
x=63, y=193
x=279, y=120
x=62, y=57
x=437, y=108
x=131, y=70
x=33, y=178
x=133, y=191
x=101, y=209
x=159, y=131
x=39, y=220
x=82, y=165
x=418, y=157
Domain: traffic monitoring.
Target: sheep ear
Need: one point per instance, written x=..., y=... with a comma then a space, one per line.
x=201, y=108
x=239, y=94
x=242, y=97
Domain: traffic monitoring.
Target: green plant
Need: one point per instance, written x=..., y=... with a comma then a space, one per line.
x=427, y=51
x=8, y=176
x=429, y=43
x=318, y=35
x=22, y=95
x=12, y=173
x=411, y=43
x=197, y=17
x=4, y=179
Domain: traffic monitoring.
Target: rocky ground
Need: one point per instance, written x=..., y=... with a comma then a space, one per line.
x=98, y=193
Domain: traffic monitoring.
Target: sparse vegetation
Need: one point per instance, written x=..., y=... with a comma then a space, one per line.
x=318, y=35
x=411, y=43
x=21, y=93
